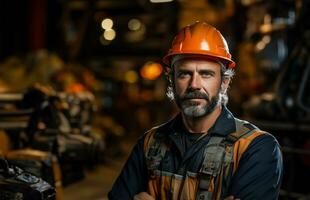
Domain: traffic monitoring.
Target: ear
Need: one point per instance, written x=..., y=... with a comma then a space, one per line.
x=225, y=84
x=168, y=70
x=169, y=74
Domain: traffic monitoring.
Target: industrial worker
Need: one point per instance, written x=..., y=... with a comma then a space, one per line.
x=204, y=152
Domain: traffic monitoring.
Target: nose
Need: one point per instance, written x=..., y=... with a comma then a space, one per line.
x=195, y=82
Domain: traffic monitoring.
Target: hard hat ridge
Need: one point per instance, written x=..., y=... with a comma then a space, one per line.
x=200, y=39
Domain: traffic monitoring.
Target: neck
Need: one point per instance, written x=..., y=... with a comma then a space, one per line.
x=202, y=124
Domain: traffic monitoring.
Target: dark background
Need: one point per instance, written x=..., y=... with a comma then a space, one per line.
x=60, y=43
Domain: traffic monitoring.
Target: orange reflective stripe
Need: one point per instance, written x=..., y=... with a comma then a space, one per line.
x=148, y=138
x=152, y=187
x=159, y=186
x=241, y=146
x=189, y=188
x=172, y=188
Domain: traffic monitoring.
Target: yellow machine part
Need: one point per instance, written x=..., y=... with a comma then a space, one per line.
x=5, y=143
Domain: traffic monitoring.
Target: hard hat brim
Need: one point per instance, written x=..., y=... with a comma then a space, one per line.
x=228, y=62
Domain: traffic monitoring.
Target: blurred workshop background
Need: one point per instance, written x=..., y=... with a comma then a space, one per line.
x=81, y=80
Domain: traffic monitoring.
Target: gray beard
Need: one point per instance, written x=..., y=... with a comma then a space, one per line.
x=195, y=110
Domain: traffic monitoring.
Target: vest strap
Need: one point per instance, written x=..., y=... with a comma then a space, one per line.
x=213, y=158
x=219, y=156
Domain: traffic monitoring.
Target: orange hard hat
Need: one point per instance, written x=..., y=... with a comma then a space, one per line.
x=200, y=39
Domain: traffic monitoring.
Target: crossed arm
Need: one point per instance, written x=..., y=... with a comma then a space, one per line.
x=258, y=176
x=146, y=196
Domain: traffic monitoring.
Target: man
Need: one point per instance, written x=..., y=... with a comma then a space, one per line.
x=204, y=152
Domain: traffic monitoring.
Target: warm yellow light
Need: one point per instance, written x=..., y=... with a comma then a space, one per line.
x=160, y=1
x=131, y=76
x=266, y=28
x=263, y=42
x=103, y=41
x=260, y=46
x=107, y=24
x=151, y=71
x=134, y=24
x=109, y=34
x=266, y=39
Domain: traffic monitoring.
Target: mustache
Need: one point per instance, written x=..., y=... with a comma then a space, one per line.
x=195, y=95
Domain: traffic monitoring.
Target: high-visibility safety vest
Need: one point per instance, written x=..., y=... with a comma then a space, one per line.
x=220, y=161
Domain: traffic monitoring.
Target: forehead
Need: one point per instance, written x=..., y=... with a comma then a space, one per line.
x=197, y=63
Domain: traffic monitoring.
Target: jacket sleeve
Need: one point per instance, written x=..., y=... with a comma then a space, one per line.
x=260, y=171
x=133, y=177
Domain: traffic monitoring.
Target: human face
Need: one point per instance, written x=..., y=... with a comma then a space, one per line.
x=197, y=86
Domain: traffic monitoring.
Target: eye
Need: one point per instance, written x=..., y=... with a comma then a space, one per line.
x=182, y=74
x=206, y=75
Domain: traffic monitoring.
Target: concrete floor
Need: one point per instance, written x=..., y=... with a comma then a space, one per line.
x=98, y=181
